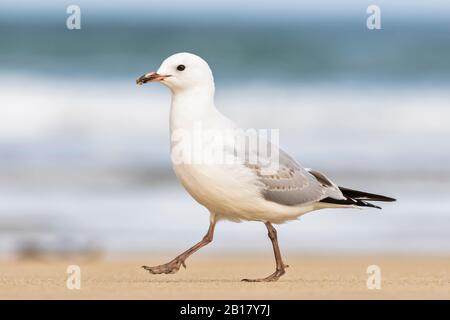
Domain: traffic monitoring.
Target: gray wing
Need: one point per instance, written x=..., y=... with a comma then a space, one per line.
x=291, y=184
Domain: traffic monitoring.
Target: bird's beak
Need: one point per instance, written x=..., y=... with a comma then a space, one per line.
x=151, y=77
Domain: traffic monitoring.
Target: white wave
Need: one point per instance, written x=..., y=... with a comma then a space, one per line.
x=42, y=106
x=115, y=119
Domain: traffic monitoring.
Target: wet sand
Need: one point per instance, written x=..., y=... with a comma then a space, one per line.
x=218, y=277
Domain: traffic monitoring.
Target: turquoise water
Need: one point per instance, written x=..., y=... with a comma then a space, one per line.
x=325, y=50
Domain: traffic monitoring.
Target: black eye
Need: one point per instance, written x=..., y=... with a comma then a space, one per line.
x=181, y=67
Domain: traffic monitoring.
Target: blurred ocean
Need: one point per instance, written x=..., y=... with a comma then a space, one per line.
x=84, y=156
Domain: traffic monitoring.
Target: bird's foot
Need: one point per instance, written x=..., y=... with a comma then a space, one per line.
x=167, y=268
x=273, y=277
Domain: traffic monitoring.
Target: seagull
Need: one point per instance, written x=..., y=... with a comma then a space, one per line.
x=240, y=190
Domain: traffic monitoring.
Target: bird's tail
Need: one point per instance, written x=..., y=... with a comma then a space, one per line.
x=358, y=198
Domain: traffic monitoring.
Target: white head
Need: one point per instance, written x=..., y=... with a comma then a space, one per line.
x=182, y=72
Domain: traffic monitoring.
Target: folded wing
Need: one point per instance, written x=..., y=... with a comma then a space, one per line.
x=292, y=185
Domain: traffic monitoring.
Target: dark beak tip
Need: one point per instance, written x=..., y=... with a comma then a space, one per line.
x=150, y=77
x=141, y=80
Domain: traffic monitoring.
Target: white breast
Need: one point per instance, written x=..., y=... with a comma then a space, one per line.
x=229, y=191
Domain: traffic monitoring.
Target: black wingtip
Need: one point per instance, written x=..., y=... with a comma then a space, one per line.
x=370, y=205
x=350, y=202
x=361, y=195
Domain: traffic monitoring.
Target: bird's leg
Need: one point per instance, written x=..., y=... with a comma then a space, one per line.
x=280, y=270
x=174, y=265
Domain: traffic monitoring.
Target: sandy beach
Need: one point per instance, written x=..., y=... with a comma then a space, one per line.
x=218, y=277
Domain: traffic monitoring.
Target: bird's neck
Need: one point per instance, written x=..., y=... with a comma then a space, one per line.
x=191, y=106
